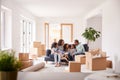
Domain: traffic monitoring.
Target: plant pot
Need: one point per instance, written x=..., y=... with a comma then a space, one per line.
x=8, y=75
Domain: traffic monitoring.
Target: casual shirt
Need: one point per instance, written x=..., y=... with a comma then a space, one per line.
x=80, y=48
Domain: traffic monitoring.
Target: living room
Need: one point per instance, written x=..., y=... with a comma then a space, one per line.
x=103, y=15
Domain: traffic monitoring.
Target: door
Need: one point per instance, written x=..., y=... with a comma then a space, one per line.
x=47, y=35
x=67, y=32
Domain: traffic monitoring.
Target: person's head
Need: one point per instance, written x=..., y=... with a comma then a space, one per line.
x=61, y=42
x=73, y=46
x=65, y=47
x=76, y=42
x=69, y=46
x=54, y=45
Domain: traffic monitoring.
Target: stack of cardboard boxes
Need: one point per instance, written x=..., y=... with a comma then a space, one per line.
x=109, y=64
x=96, y=62
x=40, y=48
x=24, y=59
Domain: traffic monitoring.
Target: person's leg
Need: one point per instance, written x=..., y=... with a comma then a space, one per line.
x=59, y=59
x=76, y=53
x=55, y=59
x=70, y=57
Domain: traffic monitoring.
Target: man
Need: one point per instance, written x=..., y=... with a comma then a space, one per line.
x=79, y=47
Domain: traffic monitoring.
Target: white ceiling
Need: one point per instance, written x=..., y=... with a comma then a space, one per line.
x=59, y=8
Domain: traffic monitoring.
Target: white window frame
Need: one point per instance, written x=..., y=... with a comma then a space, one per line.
x=27, y=34
x=6, y=28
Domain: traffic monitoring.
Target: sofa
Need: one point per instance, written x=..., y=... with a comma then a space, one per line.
x=50, y=57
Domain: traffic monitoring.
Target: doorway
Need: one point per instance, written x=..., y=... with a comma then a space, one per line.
x=67, y=32
x=47, y=35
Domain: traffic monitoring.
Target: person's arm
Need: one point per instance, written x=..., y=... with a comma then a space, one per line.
x=80, y=48
x=53, y=50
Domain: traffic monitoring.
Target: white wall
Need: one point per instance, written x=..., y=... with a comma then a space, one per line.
x=110, y=29
x=77, y=24
x=96, y=23
x=0, y=24
x=16, y=18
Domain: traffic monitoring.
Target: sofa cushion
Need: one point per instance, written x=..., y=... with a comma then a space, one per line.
x=51, y=56
x=48, y=59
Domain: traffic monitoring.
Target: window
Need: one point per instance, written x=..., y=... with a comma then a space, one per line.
x=27, y=32
x=6, y=28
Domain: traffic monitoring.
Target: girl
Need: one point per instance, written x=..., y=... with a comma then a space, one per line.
x=65, y=53
x=57, y=56
x=72, y=50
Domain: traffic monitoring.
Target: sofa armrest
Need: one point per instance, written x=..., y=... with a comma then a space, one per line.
x=48, y=52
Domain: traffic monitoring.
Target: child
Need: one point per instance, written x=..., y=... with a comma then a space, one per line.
x=57, y=56
x=65, y=53
x=72, y=50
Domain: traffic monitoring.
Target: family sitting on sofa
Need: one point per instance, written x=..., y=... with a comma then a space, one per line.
x=64, y=52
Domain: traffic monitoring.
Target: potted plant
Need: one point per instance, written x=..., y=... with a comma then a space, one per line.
x=91, y=34
x=9, y=65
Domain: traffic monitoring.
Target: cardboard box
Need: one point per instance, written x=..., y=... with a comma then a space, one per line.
x=43, y=52
x=33, y=53
x=109, y=64
x=98, y=64
x=74, y=66
x=42, y=46
x=36, y=44
x=26, y=64
x=95, y=63
x=23, y=56
x=80, y=58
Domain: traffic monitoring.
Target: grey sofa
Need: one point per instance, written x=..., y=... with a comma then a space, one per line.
x=50, y=57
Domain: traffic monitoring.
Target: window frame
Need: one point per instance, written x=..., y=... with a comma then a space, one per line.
x=27, y=35
x=6, y=28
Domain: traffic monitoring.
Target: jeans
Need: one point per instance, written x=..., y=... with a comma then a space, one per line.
x=57, y=58
x=70, y=57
